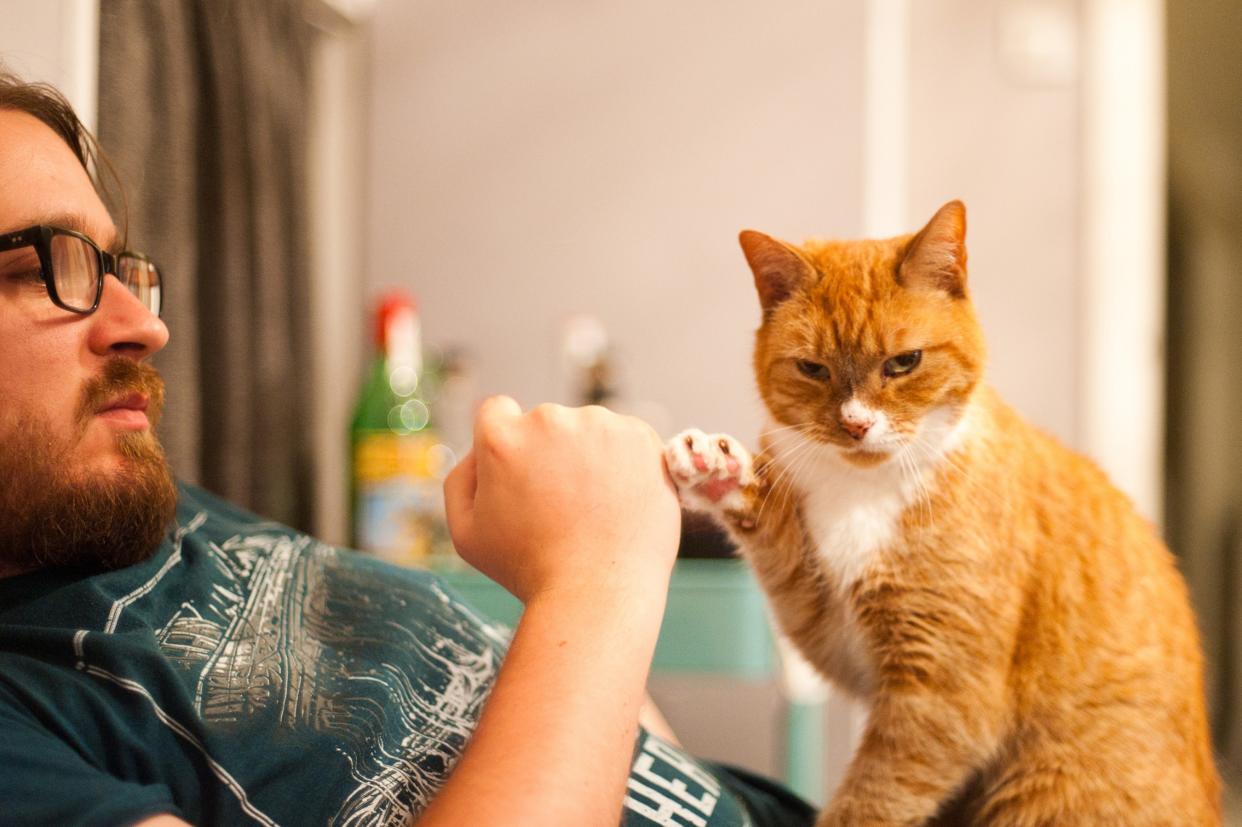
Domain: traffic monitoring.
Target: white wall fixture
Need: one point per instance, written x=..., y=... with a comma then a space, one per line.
x=886, y=124
x=337, y=250
x=1123, y=244
x=1037, y=40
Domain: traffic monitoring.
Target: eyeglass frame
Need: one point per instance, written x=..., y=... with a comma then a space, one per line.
x=40, y=237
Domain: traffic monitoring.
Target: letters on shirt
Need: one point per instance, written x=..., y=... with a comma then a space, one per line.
x=670, y=788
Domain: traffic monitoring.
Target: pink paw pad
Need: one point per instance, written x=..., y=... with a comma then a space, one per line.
x=716, y=489
x=708, y=467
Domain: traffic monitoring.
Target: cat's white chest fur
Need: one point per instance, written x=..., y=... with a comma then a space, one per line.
x=853, y=514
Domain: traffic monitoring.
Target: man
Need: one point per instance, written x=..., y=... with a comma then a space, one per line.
x=166, y=658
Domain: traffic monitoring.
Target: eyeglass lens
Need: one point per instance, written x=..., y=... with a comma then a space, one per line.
x=76, y=266
x=142, y=279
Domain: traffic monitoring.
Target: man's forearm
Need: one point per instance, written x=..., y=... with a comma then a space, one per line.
x=555, y=739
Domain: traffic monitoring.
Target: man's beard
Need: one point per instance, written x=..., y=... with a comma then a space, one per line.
x=52, y=517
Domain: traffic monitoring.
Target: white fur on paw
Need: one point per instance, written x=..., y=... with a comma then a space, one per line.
x=710, y=470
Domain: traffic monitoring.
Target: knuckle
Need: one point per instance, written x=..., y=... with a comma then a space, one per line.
x=489, y=405
x=487, y=412
x=548, y=413
x=595, y=417
x=491, y=438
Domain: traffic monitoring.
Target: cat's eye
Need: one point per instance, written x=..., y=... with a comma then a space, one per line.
x=903, y=363
x=812, y=370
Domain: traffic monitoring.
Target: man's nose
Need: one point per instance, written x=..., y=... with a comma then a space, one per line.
x=122, y=325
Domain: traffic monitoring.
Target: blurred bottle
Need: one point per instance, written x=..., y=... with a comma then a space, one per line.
x=399, y=461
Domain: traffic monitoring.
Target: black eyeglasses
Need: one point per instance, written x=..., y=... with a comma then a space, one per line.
x=73, y=268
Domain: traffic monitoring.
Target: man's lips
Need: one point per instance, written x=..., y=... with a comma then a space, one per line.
x=129, y=411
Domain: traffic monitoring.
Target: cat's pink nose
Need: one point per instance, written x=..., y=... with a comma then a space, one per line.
x=857, y=428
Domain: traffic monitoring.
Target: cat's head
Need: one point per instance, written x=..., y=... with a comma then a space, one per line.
x=870, y=346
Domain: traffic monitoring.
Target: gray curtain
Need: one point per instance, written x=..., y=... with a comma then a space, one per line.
x=1205, y=340
x=203, y=113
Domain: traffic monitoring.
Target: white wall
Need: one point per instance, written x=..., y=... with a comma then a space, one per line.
x=532, y=161
x=56, y=41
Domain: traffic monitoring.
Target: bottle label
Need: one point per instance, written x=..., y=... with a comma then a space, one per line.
x=400, y=502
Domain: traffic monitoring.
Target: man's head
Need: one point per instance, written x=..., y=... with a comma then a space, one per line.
x=83, y=480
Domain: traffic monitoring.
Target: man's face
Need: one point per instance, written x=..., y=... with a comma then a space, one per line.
x=76, y=400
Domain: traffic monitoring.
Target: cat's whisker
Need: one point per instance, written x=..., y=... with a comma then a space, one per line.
x=803, y=460
x=922, y=494
x=777, y=450
x=787, y=464
x=927, y=452
x=782, y=464
x=929, y=457
x=792, y=466
x=903, y=465
x=788, y=434
x=910, y=473
x=938, y=455
x=793, y=427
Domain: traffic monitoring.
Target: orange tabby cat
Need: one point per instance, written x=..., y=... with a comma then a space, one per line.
x=1021, y=637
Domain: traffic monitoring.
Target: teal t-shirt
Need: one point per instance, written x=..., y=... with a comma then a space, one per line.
x=247, y=673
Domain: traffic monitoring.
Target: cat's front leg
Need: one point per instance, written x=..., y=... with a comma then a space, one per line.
x=919, y=748
x=715, y=475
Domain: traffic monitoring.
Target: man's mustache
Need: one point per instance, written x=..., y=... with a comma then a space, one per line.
x=122, y=377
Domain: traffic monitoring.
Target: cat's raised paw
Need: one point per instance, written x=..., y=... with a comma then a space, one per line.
x=711, y=470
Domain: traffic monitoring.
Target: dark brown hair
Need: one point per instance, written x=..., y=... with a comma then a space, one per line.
x=45, y=102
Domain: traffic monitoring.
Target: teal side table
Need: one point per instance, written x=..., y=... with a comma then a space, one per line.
x=715, y=622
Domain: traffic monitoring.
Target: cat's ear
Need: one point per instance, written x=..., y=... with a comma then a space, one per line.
x=936, y=256
x=778, y=268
